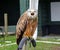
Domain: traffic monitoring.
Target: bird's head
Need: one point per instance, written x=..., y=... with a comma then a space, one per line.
x=32, y=13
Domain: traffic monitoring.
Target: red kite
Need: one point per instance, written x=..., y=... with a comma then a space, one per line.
x=26, y=24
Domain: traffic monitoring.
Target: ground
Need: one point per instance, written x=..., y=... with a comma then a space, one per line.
x=10, y=43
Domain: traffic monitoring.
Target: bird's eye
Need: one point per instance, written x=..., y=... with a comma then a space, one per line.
x=29, y=11
x=34, y=11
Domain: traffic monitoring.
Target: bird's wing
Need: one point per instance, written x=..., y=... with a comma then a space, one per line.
x=20, y=27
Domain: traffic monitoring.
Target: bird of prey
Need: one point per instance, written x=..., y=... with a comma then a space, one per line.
x=26, y=24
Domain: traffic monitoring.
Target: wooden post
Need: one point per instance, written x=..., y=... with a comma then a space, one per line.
x=6, y=24
x=24, y=47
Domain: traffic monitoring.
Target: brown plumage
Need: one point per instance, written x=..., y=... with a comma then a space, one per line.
x=26, y=26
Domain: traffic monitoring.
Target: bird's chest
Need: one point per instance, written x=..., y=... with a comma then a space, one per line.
x=29, y=28
x=30, y=24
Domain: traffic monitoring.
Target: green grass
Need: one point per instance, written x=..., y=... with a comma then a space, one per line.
x=40, y=45
x=44, y=46
x=13, y=47
x=53, y=39
x=8, y=38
